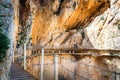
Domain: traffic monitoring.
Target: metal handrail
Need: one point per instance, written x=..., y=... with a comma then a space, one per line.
x=84, y=52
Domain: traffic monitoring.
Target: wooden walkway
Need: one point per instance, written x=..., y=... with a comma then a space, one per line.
x=18, y=73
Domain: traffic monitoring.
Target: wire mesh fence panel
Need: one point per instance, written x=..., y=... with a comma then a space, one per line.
x=90, y=73
x=72, y=69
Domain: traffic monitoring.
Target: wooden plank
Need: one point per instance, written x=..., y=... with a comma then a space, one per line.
x=19, y=74
x=22, y=78
x=15, y=77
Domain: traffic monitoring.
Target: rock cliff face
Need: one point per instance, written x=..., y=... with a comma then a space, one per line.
x=94, y=68
x=104, y=32
x=58, y=24
x=6, y=18
x=58, y=18
x=87, y=24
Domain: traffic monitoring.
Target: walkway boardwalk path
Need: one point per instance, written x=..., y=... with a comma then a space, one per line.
x=18, y=73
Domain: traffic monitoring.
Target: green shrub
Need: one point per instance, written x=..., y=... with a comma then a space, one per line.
x=102, y=18
x=1, y=23
x=6, y=5
x=4, y=46
x=82, y=32
x=119, y=26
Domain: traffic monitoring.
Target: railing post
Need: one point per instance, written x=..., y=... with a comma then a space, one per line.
x=117, y=76
x=39, y=65
x=42, y=63
x=55, y=67
x=13, y=55
x=73, y=52
x=24, y=56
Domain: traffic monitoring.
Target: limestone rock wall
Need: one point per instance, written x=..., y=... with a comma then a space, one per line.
x=52, y=19
x=104, y=32
x=57, y=24
x=87, y=24
x=6, y=15
x=73, y=67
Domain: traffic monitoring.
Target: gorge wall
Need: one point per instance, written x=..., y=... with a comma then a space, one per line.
x=7, y=29
x=66, y=24
x=58, y=18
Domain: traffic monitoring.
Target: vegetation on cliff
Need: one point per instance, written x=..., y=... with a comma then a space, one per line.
x=4, y=40
x=4, y=45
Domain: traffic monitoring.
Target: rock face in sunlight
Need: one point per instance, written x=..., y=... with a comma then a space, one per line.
x=104, y=30
x=6, y=18
x=55, y=19
x=66, y=24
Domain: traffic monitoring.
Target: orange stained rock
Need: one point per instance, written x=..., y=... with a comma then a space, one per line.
x=84, y=11
x=39, y=28
x=46, y=23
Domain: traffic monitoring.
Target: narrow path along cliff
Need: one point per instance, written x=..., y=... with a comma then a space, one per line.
x=60, y=39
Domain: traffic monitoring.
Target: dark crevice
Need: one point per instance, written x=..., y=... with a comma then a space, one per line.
x=102, y=6
x=77, y=58
x=61, y=77
x=111, y=20
x=74, y=5
x=24, y=11
x=59, y=9
x=42, y=2
x=22, y=2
